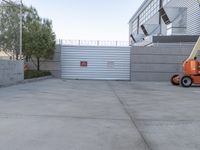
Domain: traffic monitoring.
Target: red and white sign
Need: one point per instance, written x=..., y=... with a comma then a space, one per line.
x=83, y=63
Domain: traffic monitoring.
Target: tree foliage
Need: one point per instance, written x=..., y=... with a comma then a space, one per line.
x=38, y=36
x=9, y=26
x=39, y=40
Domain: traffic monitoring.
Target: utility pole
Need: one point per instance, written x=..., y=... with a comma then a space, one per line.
x=20, y=40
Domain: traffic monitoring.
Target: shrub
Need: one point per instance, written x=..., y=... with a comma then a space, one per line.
x=29, y=74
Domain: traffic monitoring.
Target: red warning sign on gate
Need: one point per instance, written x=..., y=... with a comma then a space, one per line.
x=83, y=63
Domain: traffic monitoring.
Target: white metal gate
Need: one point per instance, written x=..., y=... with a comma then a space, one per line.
x=94, y=62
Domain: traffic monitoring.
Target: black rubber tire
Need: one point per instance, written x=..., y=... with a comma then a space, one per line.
x=172, y=80
x=186, y=81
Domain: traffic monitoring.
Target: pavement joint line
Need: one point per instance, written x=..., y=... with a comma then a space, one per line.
x=8, y=115
x=154, y=120
x=130, y=116
x=167, y=124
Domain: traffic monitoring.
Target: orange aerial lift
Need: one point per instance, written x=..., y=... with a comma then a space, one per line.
x=191, y=69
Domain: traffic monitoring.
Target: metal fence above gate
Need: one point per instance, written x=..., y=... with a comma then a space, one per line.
x=93, y=43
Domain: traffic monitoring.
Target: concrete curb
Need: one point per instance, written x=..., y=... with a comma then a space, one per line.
x=36, y=79
x=28, y=81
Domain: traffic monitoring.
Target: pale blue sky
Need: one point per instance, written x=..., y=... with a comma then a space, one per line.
x=88, y=19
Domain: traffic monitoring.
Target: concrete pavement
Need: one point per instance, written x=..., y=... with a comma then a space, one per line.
x=168, y=117
x=99, y=115
x=65, y=115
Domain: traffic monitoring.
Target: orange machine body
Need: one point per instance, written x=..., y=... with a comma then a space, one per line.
x=191, y=68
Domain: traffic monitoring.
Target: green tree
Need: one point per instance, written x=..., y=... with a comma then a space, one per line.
x=39, y=40
x=38, y=36
x=9, y=27
x=10, y=24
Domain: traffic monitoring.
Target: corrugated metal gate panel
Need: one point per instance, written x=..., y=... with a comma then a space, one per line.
x=103, y=63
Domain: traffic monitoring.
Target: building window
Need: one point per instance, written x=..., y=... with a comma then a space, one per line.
x=149, y=11
x=134, y=25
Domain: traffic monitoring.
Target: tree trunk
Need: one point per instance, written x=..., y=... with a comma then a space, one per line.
x=17, y=56
x=38, y=63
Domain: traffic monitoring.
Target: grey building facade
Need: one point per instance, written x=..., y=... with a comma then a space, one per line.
x=165, y=18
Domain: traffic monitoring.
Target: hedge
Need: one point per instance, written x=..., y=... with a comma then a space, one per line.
x=29, y=74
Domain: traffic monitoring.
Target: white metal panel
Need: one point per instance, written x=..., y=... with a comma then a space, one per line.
x=193, y=13
x=104, y=63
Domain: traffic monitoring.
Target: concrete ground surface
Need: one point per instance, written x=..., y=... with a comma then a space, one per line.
x=99, y=115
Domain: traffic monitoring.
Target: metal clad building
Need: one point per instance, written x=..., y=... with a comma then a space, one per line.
x=95, y=62
x=193, y=14
x=164, y=17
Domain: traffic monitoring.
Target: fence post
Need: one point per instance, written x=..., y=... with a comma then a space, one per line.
x=79, y=42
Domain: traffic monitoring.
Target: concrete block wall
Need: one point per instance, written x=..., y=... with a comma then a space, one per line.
x=157, y=63
x=11, y=72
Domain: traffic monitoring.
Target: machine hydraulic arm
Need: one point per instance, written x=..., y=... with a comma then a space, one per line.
x=195, y=50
